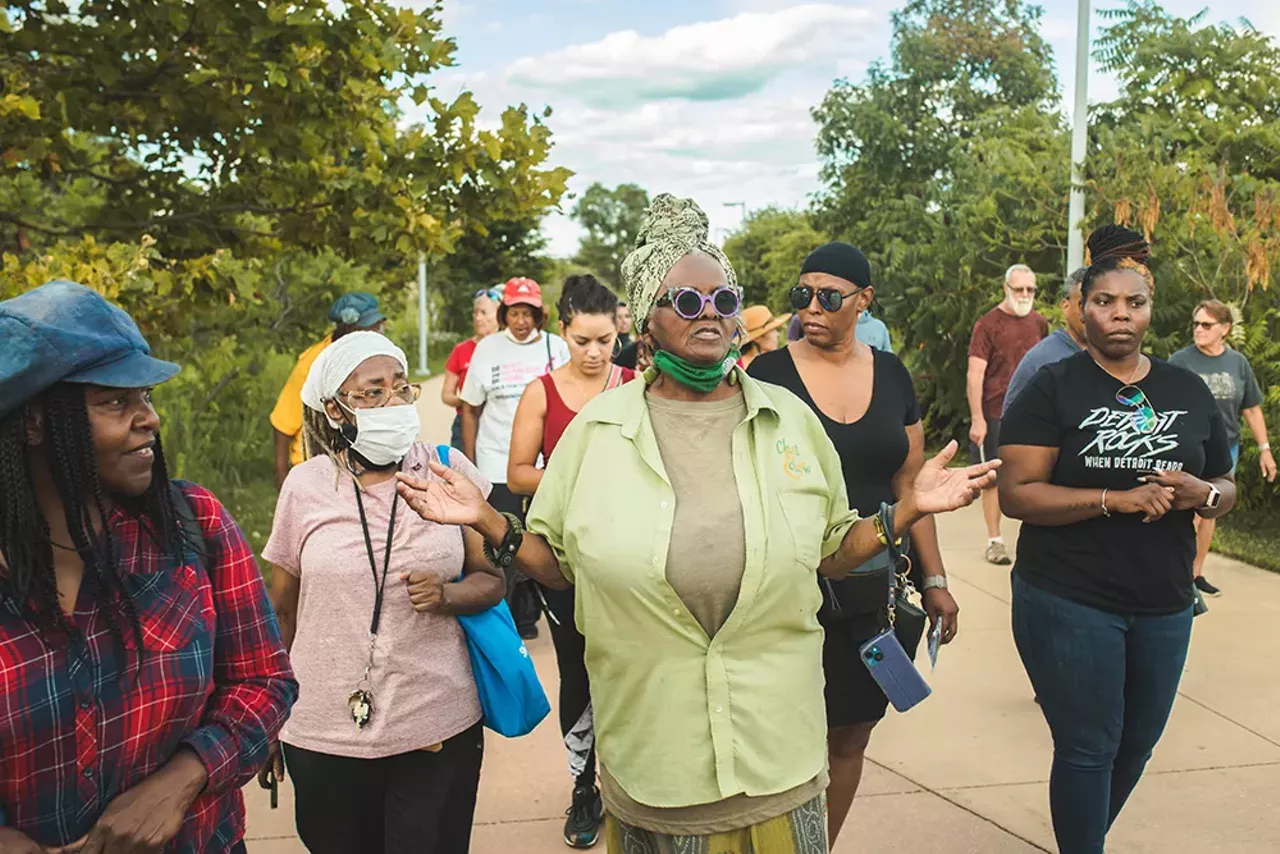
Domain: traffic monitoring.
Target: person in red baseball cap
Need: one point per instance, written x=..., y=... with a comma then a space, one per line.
x=503, y=365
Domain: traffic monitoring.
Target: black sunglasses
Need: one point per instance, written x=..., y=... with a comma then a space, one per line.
x=829, y=298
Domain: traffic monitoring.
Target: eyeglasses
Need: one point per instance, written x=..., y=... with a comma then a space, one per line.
x=492, y=293
x=829, y=298
x=1144, y=418
x=374, y=398
x=1204, y=324
x=1023, y=292
x=690, y=303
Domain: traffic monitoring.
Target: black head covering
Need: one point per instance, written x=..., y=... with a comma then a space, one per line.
x=841, y=260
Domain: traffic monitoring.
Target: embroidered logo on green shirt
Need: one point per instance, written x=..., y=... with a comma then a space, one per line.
x=793, y=464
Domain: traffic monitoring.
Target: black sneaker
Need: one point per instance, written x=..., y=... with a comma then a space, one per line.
x=1203, y=585
x=528, y=632
x=582, y=827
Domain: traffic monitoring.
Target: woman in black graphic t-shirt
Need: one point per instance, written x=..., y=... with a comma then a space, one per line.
x=1108, y=457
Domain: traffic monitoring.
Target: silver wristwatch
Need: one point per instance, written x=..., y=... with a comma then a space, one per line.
x=932, y=581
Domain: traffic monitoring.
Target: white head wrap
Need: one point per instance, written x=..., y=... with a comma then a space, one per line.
x=336, y=362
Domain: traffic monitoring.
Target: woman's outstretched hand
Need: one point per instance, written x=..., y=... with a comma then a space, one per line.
x=939, y=489
x=452, y=500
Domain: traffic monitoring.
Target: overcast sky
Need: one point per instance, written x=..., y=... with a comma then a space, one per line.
x=705, y=98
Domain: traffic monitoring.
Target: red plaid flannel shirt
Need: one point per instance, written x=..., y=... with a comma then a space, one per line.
x=213, y=676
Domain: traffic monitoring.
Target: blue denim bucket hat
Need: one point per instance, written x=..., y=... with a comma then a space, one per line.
x=64, y=332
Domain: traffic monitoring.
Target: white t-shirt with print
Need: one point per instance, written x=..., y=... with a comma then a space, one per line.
x=500, y=371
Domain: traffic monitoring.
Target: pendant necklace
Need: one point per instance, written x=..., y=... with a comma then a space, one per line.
x=360, y=703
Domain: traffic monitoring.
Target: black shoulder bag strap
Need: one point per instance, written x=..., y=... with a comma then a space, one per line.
x=192, y=535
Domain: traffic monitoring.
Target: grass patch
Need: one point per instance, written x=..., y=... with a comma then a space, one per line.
x=1252, y=536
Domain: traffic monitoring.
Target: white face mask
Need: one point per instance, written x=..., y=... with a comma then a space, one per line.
x=385, y=435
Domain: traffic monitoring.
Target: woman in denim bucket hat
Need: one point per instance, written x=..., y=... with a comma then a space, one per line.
x=140, y=660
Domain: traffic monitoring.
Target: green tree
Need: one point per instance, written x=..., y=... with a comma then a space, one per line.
x=507, y=249
x=767, y=253
x=612, y=219
x=225, y=125
x=224, y=169
x=1189, y=153
x=945, y=166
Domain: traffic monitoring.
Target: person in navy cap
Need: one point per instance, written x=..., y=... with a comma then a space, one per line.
x=356, y=311
x=141, y=665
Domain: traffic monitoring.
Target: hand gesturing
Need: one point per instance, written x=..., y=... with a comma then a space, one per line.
x=452, y=500
x=939, y=489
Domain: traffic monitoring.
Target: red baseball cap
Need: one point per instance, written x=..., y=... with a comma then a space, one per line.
x=521, y=291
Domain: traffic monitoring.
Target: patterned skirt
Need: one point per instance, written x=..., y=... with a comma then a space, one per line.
x=801, y=831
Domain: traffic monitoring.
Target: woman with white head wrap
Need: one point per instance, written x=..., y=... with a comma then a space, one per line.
x=385, y=750
x=691, y=512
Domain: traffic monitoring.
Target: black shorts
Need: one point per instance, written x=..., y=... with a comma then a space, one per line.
x=990, y=446
x=852, y=696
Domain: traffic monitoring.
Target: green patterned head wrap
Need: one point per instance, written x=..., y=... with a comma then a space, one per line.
x=673, y=229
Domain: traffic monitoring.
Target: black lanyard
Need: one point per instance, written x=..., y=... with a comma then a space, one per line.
x=379, y=585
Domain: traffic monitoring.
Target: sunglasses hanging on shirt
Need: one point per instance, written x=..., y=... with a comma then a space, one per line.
x=1144, y=417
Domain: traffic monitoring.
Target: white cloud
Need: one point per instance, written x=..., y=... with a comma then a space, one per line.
x=713, y=60
x=735, y=6
x=719, y=110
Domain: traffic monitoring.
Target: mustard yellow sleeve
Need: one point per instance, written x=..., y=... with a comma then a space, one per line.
x=287, y=415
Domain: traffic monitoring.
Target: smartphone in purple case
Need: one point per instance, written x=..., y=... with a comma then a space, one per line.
x=893, y=671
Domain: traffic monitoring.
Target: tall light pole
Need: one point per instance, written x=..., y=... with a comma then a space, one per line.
x=422, y=315
x=1079, y=141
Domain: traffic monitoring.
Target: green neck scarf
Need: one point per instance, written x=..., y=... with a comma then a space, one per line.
x=700, y=378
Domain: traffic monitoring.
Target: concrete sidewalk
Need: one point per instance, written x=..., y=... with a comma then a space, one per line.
x=967, y=770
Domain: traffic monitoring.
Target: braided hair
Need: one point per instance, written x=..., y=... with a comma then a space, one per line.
x=583, y=294
x=319, y=437
x=1111, y=248
x=28, y=579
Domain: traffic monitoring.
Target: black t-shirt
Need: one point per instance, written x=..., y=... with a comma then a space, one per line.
x=1118, y=563
x=871, y=449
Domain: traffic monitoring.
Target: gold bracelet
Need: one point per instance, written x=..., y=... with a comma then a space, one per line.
x=881, y=534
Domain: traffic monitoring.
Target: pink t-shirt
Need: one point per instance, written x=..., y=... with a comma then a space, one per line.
x=423, y=690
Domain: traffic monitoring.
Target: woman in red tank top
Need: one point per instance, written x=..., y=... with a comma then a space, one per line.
x=557, y=412
x=587, y=322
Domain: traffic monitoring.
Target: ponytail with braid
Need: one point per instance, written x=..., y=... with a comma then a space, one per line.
x=1111, y=248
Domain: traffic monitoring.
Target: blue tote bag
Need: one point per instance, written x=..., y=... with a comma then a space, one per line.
x=511, y=696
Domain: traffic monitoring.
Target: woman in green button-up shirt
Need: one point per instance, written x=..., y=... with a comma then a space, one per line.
x=691, y=512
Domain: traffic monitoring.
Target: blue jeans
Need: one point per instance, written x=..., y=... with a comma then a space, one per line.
x=1106, y=684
